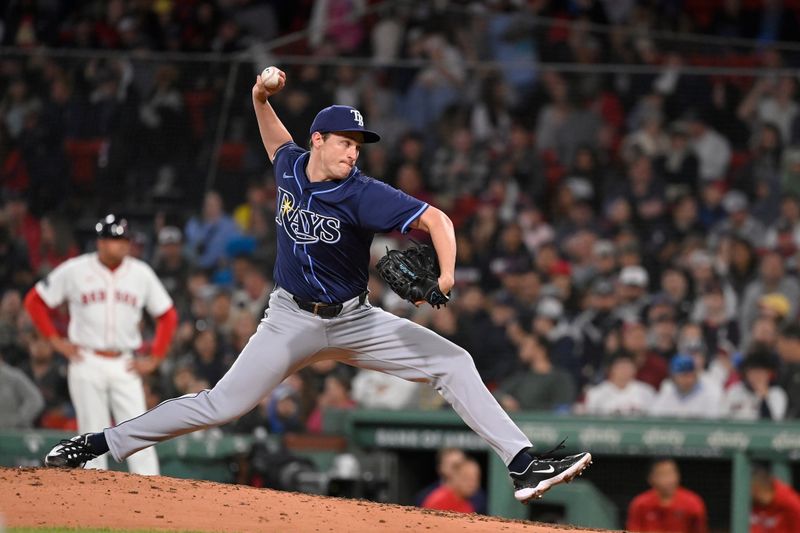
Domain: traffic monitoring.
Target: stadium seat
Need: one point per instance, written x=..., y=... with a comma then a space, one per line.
x=83, y=155
x=197, y=104
x=231, y=156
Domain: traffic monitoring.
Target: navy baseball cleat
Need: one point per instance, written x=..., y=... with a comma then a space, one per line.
x=71, y=453
x=543, y=474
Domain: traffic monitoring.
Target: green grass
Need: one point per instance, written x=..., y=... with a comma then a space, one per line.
x=86, y=530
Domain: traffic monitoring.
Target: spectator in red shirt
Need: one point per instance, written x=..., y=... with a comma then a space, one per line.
x=447, y=461
x=454, y=493
x=776, y=506
x=667, y=507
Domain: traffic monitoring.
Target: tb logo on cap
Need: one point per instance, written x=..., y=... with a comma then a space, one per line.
x=357, y=117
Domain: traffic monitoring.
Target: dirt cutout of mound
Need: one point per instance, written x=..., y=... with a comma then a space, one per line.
x=40, y=497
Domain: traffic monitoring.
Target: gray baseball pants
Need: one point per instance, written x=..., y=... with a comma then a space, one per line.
x=288, y=339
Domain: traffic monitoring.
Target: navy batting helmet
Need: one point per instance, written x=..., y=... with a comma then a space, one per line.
x=112, y=227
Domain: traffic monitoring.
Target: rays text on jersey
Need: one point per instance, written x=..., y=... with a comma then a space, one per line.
x=304, y=226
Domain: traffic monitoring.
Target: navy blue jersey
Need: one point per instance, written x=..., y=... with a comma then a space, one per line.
x=325, y=229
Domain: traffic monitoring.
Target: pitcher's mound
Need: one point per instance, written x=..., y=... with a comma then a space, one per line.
x=91, y=498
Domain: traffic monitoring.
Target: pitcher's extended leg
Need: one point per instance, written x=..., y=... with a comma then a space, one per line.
x=382, y=341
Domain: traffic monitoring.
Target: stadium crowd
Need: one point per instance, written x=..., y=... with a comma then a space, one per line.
x=627, y=243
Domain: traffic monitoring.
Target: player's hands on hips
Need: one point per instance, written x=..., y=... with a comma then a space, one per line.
x=261, y=93
x=66, y=348
x=144, y=366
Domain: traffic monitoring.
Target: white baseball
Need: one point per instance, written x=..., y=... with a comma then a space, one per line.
x=270, y=77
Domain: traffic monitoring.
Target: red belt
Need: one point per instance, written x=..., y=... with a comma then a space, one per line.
x=107, y=353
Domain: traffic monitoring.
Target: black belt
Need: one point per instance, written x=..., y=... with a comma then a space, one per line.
x=324, y=310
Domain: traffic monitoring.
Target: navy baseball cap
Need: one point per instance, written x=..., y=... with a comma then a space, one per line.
x=342, y=118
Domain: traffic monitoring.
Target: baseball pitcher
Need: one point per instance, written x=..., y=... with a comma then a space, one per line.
x=327, y=215
x=106, y=292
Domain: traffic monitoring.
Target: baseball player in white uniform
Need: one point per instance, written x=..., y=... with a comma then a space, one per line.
x=106, y=292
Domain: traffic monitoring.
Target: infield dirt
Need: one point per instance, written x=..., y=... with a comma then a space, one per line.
x=38, y=497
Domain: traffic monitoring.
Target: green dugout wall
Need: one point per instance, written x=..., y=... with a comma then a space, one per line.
x=722, y=451
x=197, y=455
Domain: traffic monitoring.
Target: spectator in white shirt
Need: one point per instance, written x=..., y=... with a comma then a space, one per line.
x=712, y=149
x=621, y=393
x=376, y=390
x=755, y=397
x=771, y=101
x=685, y=395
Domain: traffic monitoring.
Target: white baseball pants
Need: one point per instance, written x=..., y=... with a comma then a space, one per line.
x=101, y=387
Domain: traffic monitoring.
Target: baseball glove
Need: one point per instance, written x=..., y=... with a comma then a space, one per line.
x=413, y=274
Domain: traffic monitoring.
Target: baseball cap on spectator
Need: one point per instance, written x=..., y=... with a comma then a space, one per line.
x=581, y=188
x=759, y=359
x=734, y=201
x=169, y=235
x=661, y=308
x=775, y=302
x=634, y=275
x=603, y=248
x=700, y=258
x=681, y=363
x=550, y=308
x=602, y=287
x=337, y=118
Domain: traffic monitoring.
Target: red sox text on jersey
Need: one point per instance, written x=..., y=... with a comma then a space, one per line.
x=99, y=296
